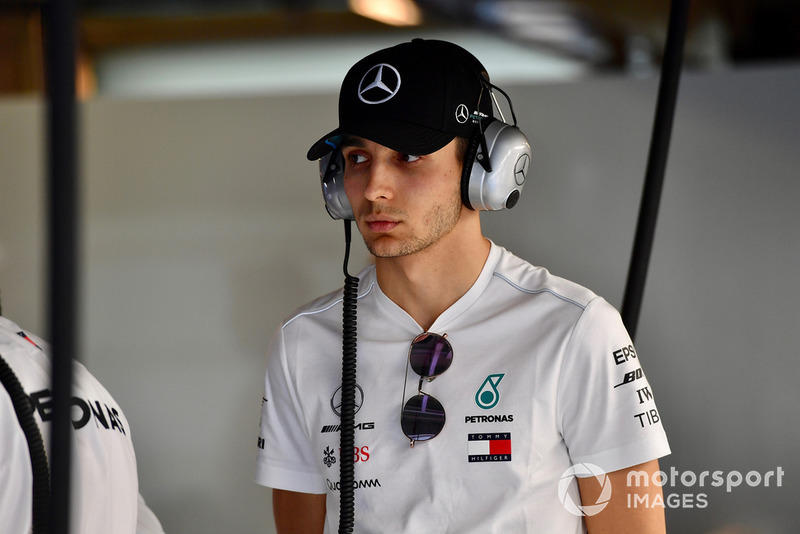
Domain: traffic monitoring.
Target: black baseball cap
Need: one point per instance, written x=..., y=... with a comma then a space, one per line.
x=414, y=97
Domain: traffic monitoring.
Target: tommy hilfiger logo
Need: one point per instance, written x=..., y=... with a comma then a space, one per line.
x=489, y=447
x=487, y=395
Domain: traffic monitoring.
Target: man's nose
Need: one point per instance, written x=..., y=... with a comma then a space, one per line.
x=380, y=182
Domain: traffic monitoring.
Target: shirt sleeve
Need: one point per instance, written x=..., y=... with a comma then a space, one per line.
x=146, y=520
x=606, y=406
x=285, y=459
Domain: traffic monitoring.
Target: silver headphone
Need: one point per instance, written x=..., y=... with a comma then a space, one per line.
x=501, y=160
x=331, y=173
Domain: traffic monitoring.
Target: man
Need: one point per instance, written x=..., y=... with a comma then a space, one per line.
x=534, y=419
x=105, y=488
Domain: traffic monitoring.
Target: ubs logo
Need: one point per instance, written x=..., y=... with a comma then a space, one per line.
x=336, y=400
x=379, y=84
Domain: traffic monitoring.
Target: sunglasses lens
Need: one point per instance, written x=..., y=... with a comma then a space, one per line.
x=423, y=417
x=430, y=355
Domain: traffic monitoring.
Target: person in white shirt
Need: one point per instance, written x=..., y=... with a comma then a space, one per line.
x=540, y=407
x=104, y=482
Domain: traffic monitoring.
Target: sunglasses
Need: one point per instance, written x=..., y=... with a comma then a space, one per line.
x=423, y=416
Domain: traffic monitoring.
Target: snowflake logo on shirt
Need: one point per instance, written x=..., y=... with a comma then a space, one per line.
x=328, y=460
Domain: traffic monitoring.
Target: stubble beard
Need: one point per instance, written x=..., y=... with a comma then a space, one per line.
x=442, y=218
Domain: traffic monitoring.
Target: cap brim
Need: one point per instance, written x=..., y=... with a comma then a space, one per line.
x=400, y=136
x=324, y=145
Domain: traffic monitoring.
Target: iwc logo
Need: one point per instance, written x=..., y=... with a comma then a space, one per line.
x=336, y=400
x=379, y=84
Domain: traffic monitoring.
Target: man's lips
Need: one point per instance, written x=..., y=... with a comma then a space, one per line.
x=381, y=226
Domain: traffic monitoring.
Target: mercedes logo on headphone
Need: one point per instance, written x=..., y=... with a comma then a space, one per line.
x=462, y=114
x=336, y=400
x=379, y=84
x=521, y=169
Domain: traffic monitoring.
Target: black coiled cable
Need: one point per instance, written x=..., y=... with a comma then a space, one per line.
x=41, y=472
x=348, y=410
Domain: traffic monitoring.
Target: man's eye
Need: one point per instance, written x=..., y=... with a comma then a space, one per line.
x=356, y=158
x=409, y=158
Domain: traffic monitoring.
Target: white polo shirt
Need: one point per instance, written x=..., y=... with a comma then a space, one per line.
x=544, y=377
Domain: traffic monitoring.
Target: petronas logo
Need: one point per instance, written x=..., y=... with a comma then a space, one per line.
x=487, y=395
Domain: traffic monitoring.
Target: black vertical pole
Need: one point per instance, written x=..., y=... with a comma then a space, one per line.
x=656, y=164
x=59, y=18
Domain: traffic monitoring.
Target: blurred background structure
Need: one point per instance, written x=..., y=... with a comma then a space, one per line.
x=157, y=47
x=202, y=224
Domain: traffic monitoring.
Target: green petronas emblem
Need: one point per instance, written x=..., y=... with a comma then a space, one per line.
x=487, y=395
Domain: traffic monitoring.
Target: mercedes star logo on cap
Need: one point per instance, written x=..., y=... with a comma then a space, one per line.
x=376, y=86
x=462, y=114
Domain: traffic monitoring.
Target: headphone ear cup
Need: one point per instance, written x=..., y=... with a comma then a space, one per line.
x=331, y=173
x=510, y=154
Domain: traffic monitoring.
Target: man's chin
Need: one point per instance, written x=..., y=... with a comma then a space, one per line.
x=392, y=247
x=384, y=246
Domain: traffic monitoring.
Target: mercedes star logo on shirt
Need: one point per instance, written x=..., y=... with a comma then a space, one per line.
x=336, y=400
x=379, y=84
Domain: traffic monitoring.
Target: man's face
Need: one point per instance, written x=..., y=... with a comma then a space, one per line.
x=402, y=203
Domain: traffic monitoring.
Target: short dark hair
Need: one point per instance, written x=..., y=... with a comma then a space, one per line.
x=462, y=145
